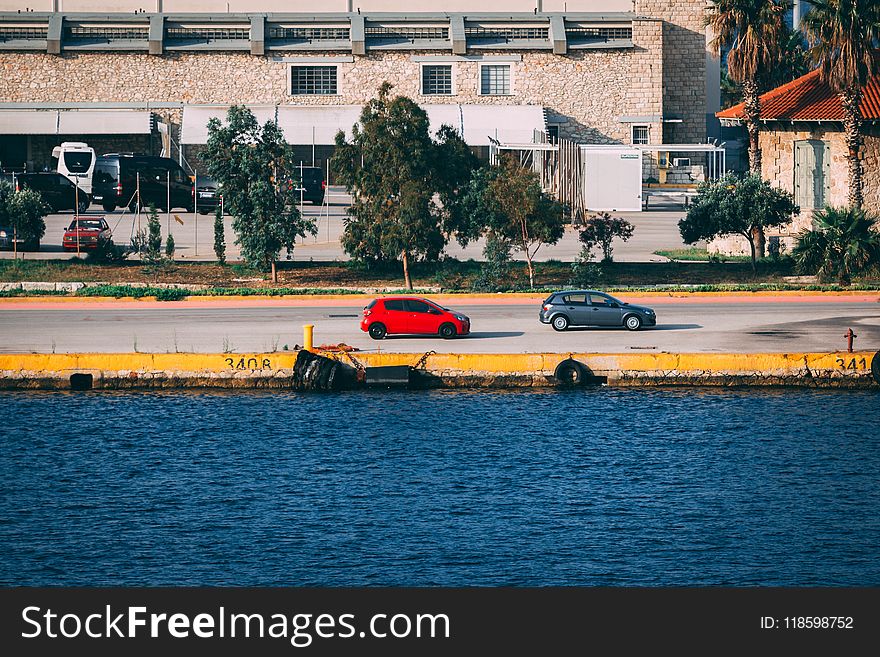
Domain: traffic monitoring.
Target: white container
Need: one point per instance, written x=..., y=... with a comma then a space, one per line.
x=612, y=178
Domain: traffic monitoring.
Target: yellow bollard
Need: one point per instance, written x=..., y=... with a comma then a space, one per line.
x=308, y=330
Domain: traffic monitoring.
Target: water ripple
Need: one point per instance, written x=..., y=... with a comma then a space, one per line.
x=524, y=488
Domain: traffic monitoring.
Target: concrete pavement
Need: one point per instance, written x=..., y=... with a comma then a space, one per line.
x=734, y=326
x=194, y=238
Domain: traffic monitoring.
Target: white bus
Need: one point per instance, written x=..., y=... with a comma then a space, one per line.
x=76, y=161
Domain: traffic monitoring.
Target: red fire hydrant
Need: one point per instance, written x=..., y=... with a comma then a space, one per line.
x=849, y=335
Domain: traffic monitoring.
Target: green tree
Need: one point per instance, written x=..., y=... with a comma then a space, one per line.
x=755, y=32
x=844, y=243
x=23, y=211
x=169, y=247
x=254, y=165
x=495, y=272
x=219, y=236
x=153, y=252
x=843, y=35
x=398, y=176
x=504, y=202
x=736, y=205
x=601, y=230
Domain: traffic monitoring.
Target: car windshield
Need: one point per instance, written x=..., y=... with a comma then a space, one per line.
x=86, y=224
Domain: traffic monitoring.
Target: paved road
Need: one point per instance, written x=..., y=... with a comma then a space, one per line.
x=194, y=238
x=736, y=326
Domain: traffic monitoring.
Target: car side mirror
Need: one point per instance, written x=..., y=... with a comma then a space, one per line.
x=615, y=304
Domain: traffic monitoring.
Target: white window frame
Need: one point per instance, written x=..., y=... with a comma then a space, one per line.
x=632, y=133
x=510, y=66
x=422, y=66
x=290, y=91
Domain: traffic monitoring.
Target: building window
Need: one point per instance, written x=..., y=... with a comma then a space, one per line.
x=640, y=134
x=495, y=80
x=313, y=80
x=437, y=80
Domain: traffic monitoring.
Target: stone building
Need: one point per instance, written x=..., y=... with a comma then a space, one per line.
x=803, y=149
x=147, y=76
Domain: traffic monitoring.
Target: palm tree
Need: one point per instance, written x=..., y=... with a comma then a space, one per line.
x=843, y=35
x=844, y=243
x=756, y=34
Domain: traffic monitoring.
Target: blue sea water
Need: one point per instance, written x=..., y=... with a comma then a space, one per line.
x=648, y=487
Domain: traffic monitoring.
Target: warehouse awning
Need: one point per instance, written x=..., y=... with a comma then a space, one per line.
x=75, y=122
x=196, y=117
x=310, y=124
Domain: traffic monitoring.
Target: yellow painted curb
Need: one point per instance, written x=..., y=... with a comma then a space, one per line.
x=845, y=363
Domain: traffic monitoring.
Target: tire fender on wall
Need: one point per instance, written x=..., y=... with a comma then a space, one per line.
x=570, y=373
x=875, y=367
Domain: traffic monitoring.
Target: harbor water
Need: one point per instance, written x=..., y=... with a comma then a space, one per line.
x=618, y=487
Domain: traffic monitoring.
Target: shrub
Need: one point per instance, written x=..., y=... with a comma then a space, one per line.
x=601, y=230
x=153, y=252
x=584, y=272
x=494, y=273
x=24, y=212
x=844, y=243
x=219, y=236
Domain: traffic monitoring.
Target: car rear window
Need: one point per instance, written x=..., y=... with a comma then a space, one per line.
x=394, y=304
x=313, y=175
x=371, y=304
x=77, y=162
x=105, y=172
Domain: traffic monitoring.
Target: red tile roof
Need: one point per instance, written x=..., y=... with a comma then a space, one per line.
x=808, y=99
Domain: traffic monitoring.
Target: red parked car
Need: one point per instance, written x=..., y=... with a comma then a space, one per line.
x=411, y=315
x=91, y=232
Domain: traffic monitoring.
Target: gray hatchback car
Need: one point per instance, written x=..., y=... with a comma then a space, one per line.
x=592, y=308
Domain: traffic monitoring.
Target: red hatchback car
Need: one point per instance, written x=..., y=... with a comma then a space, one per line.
x=86, y=233
x=411, y=315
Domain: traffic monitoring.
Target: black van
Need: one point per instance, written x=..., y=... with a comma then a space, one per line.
x=117, y=176
x=312, y=186
x=57, y=190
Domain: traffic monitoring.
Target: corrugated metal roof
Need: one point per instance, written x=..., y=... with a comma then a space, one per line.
x=808, y=99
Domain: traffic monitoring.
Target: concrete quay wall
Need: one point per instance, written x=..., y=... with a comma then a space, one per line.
x=278, y=370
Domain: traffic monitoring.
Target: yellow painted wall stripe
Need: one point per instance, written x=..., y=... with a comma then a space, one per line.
x=496, y=363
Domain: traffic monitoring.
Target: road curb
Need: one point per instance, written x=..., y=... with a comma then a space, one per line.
x=276, y=370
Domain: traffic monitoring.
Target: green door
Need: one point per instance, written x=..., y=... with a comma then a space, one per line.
x=812, y=170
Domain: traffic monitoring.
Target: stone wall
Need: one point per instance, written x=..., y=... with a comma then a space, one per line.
x=588, y=89
x=777, y=166
x=684, y=65
x=585, y=92
x=777, y=156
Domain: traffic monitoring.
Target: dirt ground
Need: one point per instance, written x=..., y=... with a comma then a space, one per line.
x=448, y=275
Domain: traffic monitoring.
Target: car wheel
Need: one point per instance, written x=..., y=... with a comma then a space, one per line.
x=378, y=331
x=632, y=322
x=84, y=205
x=560, y=322
x=447, y=331
x=108, y=207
